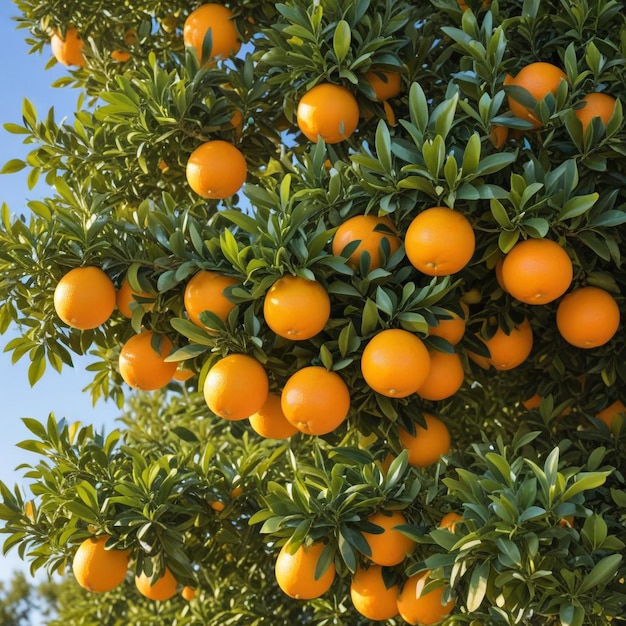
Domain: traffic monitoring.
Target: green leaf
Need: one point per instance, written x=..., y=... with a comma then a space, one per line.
x=341, y=40
x=478, y=586
x=585, y=481
x=602, y=572
x=577, y=206
x=12, y=166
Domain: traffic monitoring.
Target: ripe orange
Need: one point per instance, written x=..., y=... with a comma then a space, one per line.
x=216, y=170
x=450, y=520
x=369, y=595
x=329, y=111
x=224, y=37
x=395, y=363
x=539, y=79
x=315, y=400
x=270, y=421
x=391, y=546
x=205, y=292
x=498, y=135
x=126, y=299
x=464, y=6
x=588, y=317
x=163, y=589
x=141, y=366
x=428, y=444
x=439, y=241
x=296, y=308
x=610, y=413
x=507, y=351
x=451, y=329
x=98, y=569
x=182, y=374
x=369, y=231
x=595, y=105
x=188, y=593
x=385, y=84
x=445, y=376
x=84, y=298
x=537, y=271
x=295, y=573
x=68, y=51
x=236, y=387
x=534, y=402
x=121, y=56
x=425, y=609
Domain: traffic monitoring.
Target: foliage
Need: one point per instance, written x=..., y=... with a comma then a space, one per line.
x=209, y=498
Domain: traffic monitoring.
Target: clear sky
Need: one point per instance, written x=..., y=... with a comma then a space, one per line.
x=22, y=75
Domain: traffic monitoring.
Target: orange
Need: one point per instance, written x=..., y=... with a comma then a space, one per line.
x=216, y=170
x=236, y=387
x=315, y=400
x=428, y=444
x=450, y=520
x=296, y=308
x=498, y=271
x=537, y=271
x=439, y=241
x=123, y=55
x=126, y=299
x=295, y=573
x=369, y=231
x=498, y=135
x=445, y=376
x=451, y=329
x=142, y=366
x=188, y=593
x=507, y=351
x=464, y=6
x=539, y=79
x=329, y=111
x=595, y=105
x=395, y=363
x=98, y=569
x=423, y=609
x=68, y=51
x=84, y=298
x=224, y=37
x=391, y=546
x=384, y=84
x=588, y=317
x=534, y=402
x=270, y=421
x=369, y=595
x=163, y=589
x=205, y=292
x=183, y=374
x=610, y=413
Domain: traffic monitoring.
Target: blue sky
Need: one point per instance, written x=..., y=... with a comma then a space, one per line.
x=22, y=75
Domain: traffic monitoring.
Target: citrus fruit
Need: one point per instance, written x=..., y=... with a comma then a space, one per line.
x=224, y=37
x=142, y=366
x=428, y=444
x=163, y=589
x=498, y=135
x=270, y=421
x=369, y=231
x=445, y=376
x=188, y=593
x=98, y=569
x=391, y=546
x=183, y=374
x=296, y=308
x=595, y=105
x=384, y=84
x=295, y=573
x=395, y=363
x=68, y=50
x=84, y=298
x=370, y=597
x=439, y=241
x=537, y=271
x=205, y=292
x=539, y=79
x=315, y=400
x=121, y=56
x=329, y=111
x=423, y=609
x=534, y=402
x=451, y=329
x=609, y=413
x=127, y=299
x=450, y=520
x=588, y=317
x=236, y=387
x=464, y=6
x=507, y=351
x=216, y=170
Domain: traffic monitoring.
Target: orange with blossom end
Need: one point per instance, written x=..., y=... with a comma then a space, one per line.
x=507, y=350
x=143, y=367
x=216, y=170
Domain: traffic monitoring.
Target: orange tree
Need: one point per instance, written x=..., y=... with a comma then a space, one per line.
x=205, y=174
